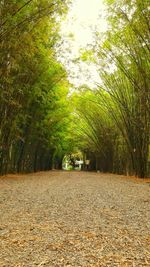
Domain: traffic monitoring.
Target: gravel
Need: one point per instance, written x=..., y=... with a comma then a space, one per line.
x=64, y=219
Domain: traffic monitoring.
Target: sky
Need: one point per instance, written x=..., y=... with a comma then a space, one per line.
x=77, y=31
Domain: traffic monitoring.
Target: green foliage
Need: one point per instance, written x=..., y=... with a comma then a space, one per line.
x=127, y=48
x=40, y=123
x=122, y=103
x=34, y=111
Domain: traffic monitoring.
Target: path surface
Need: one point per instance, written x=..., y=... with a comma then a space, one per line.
x=74, y=219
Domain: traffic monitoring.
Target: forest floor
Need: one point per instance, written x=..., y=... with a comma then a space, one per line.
x=62, y=219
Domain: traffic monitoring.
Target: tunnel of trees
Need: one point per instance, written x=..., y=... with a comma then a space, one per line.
x=41, y=122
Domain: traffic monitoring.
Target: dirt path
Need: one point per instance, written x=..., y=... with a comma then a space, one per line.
x=74, y=219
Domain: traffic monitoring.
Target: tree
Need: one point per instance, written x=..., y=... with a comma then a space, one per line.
x=31, y=84
x=125, y=74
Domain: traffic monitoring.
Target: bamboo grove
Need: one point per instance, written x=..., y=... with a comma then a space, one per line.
x=40, y=123
x=33, y=108
x=117, y=121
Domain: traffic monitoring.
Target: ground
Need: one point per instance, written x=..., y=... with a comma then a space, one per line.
x=56, y=219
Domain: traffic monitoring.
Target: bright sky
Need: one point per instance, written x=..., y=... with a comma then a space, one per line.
x=83, y=19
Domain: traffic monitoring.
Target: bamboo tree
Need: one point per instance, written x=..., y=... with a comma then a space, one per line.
x=127, y=49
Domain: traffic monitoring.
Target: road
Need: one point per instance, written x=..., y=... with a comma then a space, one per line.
x=61, y=218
